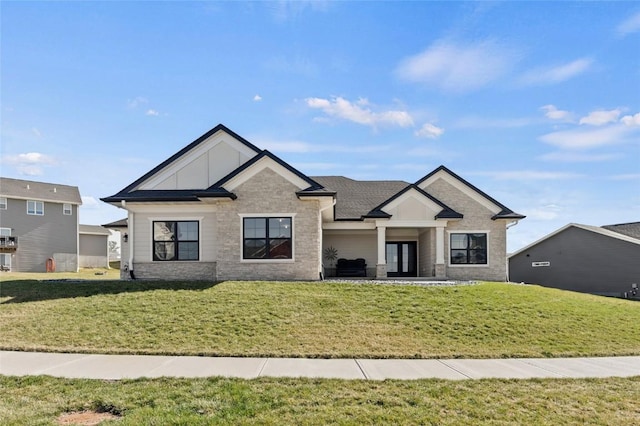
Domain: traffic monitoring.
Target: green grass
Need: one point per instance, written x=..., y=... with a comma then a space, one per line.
x=41, y=400
x=314, y=320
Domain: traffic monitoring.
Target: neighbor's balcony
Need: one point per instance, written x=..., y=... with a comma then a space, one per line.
x=8, y=244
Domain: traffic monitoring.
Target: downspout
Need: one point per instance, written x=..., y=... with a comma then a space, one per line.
x=131, y=239
x=321, y=266
x=77, y=237
x=509, y=225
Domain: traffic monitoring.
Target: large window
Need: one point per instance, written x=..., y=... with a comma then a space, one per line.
x=174, y=240
x=469, y=249
x=267, y=238
x=35, y=208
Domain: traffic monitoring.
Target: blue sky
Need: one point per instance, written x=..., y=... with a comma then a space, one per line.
x=535, y=103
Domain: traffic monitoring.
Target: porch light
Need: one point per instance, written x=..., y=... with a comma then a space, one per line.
x=125, y=238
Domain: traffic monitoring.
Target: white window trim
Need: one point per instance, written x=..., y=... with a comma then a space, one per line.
x=5, y=229
x=64, y=209
x=3, y=203
x=35, y=208
x=472, y=265
x=267, y=215
x=199, y=219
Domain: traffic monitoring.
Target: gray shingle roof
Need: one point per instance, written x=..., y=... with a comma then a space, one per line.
x=93, y=229
x=631, y=229
x=39, y=191
x=354, y=198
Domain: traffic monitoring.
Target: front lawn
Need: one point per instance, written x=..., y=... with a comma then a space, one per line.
x=48, y=400
x=314, y=320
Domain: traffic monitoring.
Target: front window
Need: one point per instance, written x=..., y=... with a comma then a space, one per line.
x=267, y=238
x=173, y=240
x=35, y=208
x=66, y=209
x=3, y=203
x=469, y=249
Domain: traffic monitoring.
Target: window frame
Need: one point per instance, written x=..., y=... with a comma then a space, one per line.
x=267, y=238
x=176, y=241
x=468, y=249
x=35, y=210
x=3, y=203
x=70, y=209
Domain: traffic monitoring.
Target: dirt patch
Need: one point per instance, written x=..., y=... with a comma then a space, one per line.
x=85, y=418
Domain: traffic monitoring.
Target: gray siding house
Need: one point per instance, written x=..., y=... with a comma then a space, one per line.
x=94, y=246
x=589, y=259
x=221, y=208
x=38, y=226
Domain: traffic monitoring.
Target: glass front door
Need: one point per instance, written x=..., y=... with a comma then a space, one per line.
x=401, y=259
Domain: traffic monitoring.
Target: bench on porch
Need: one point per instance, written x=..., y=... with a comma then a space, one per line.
x=351, y=268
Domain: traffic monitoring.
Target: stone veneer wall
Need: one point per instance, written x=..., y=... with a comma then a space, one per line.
x=476, y=218
x=268, y=193
x=198, y=271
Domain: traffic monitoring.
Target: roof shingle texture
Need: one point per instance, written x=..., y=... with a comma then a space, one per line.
x=357, y=198
x=630, y=229
x=39, y=191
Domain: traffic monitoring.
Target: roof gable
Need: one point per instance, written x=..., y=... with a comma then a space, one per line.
x=500, y=211
x=39, y=191
x=432, y=205
x=199, y=164
x=589, y=228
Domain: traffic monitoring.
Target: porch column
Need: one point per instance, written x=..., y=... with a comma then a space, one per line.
x=440, y=266
x=381, y=267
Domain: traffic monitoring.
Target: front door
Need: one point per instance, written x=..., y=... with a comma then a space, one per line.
x=401, y=259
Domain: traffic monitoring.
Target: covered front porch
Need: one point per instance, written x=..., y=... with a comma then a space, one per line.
x=391, y=249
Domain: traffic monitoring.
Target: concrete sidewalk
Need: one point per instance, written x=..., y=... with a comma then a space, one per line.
x=113, y=367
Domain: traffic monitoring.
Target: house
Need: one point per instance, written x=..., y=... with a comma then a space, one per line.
x=93, y=246
x=221, y=208
x=590, y=259
x=38, y=226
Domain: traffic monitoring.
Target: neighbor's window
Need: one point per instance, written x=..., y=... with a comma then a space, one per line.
x=66, y=209
x=469, y=249
x=35, y=207
x=267, y=238
x=3, y=203
x=174, y=240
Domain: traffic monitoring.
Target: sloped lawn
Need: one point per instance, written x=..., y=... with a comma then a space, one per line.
x=314, y=320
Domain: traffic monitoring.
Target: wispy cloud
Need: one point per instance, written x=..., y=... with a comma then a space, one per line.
x=528, y=175
x=601, y=117
x=578, y=157
x=284, y=11
x=457, y=68
x=30, y=163
x=586, y=138
x=136, y=102
x=557, y=73
x=89, y=202
x=360, y=112
x=257, y=98
x=631, y=120
x=299, y=65
x=152, y=112
x=429, y=131
x=629, y=25
x=280, y=146
x=553, y=113
x=499, y=123
x=627, y=176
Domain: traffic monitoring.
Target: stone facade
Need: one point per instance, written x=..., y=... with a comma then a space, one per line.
x=269, y=194
x=477, y=218
x=198, y=271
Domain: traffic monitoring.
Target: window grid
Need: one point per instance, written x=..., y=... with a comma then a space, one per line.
x=66, y=209
x=35, y=208
x=3, y=203
x=267, y=238
x=176, y=240
x=468, y=249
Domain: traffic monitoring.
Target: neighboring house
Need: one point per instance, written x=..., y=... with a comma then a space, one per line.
x=38, y=226
x=590, y=259
x=222, y=209
x=94, y=246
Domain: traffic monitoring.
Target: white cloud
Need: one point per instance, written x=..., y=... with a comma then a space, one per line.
x=577, y=157
x=457, y=68
x=257, y=98
x=553, y=113
x=629, y=25
x=628, y=176
x=528, y=175
x=279, y=146
x=487, y=123
x=631, y=120
x=30, y=163
x=586, y=139
x=89, y=202
x=152, y=112
x=601, y=117
x=547, y=212
x=430, y=131
x=136, y=102
x=556, y=74
x=359, y=112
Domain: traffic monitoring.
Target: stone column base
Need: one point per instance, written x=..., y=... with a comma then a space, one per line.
x=441, y=270
x=381, y=270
